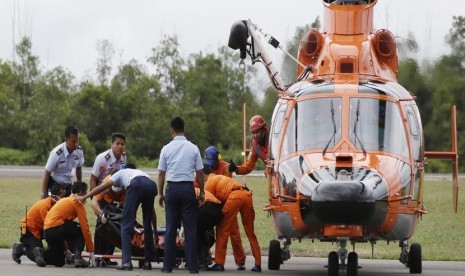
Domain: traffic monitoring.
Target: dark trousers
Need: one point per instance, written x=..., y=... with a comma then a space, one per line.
x=209, y=215
x=102, y=246
x=141, y=191
x=29, y=242
x=71, y=232
x=180, y=205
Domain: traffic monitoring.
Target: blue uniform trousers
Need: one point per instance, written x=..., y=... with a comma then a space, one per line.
x=180, y=205
x=141, y=191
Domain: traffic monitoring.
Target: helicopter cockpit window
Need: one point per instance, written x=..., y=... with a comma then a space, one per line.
x=318, y=123
x=289, y=138
x=277, y=127
x=377, y=125
x=415, y=131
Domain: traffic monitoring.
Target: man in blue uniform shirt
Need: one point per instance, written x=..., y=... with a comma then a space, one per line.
x=63, y=158
x=178, y=161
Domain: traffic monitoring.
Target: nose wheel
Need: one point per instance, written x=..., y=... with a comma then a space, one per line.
x=352, y=264
x=337, y=261
x=333, y=264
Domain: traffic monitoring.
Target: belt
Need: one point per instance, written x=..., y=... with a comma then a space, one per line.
x=180, y=182
x=237, y=189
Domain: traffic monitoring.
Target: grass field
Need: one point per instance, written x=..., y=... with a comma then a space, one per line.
x=440, y=233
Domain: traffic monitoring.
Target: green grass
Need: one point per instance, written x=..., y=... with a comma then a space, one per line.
x=440, y=232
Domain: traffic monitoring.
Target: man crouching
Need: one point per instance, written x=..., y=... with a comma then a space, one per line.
x=59, y=226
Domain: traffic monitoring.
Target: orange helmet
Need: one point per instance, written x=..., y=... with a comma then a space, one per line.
x=256, y=122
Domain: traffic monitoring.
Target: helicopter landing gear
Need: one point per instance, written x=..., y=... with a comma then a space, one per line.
x=411, y=259
x=337, y=261
x=276, y=255
x=352, y=264
x=333, y=264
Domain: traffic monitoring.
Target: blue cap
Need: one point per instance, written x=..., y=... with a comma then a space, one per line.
x=211, y=156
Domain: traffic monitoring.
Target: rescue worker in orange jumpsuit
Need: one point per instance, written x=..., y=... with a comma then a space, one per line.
x=59, y=226
x=218, y=166
x=32, y=226
x=112, y=197
x=260, y=132
x=236, y=199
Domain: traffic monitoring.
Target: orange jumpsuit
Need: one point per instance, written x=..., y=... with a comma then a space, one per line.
x=236, y=241
x=236, y=200
x=34, y=220
x=67, y=209
x=258, y=151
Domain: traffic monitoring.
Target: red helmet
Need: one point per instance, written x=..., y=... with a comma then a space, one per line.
x=256, y=122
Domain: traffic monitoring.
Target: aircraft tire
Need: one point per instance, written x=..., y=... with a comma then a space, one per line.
x=274, y=255
x=352, y=264
x=333, y=264
x=414, y=259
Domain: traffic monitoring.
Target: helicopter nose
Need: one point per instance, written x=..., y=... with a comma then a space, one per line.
x=343, y=202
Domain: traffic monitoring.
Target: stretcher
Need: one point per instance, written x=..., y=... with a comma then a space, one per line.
x=111, y=232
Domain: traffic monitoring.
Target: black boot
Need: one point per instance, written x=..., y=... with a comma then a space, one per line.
x=39, y=256
x=18, y=251
x=79, y=261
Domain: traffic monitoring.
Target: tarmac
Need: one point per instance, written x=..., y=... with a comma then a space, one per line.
x=296, y=266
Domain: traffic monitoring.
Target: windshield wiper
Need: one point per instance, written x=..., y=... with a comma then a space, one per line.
x=357, y=114
x=334, y=126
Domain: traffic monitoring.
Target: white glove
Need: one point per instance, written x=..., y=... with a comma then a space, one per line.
x=103, y=219
x=92, y=259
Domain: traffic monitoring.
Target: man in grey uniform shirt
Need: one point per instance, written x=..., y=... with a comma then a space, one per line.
x=110, y=160
x=63, y=158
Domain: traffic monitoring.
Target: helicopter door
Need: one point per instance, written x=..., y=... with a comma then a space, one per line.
x=417, y=146
x=277, y=126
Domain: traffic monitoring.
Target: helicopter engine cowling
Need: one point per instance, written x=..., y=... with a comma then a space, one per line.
x=342, y=197
x=348, y=202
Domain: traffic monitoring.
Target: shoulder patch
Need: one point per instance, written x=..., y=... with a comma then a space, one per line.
x=59, y=151
x=107, y=156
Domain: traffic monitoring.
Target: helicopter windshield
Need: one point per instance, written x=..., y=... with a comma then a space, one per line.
x=377, y=125
x=318, y=123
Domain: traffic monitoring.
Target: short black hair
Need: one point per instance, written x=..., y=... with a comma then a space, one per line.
x=71, y=130
x=79, y=186
x=177, y=124
x=117, y=135
x=130, y=166
x=57, y=189
x=207, y=169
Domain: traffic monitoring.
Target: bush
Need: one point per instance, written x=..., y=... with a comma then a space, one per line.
x=16, y=157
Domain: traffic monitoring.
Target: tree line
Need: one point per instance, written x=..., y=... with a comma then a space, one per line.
x=206, y=89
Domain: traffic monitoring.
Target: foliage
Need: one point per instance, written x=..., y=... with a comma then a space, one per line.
x=13, y=156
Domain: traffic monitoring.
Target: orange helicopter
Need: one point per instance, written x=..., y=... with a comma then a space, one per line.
x=346, y=152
